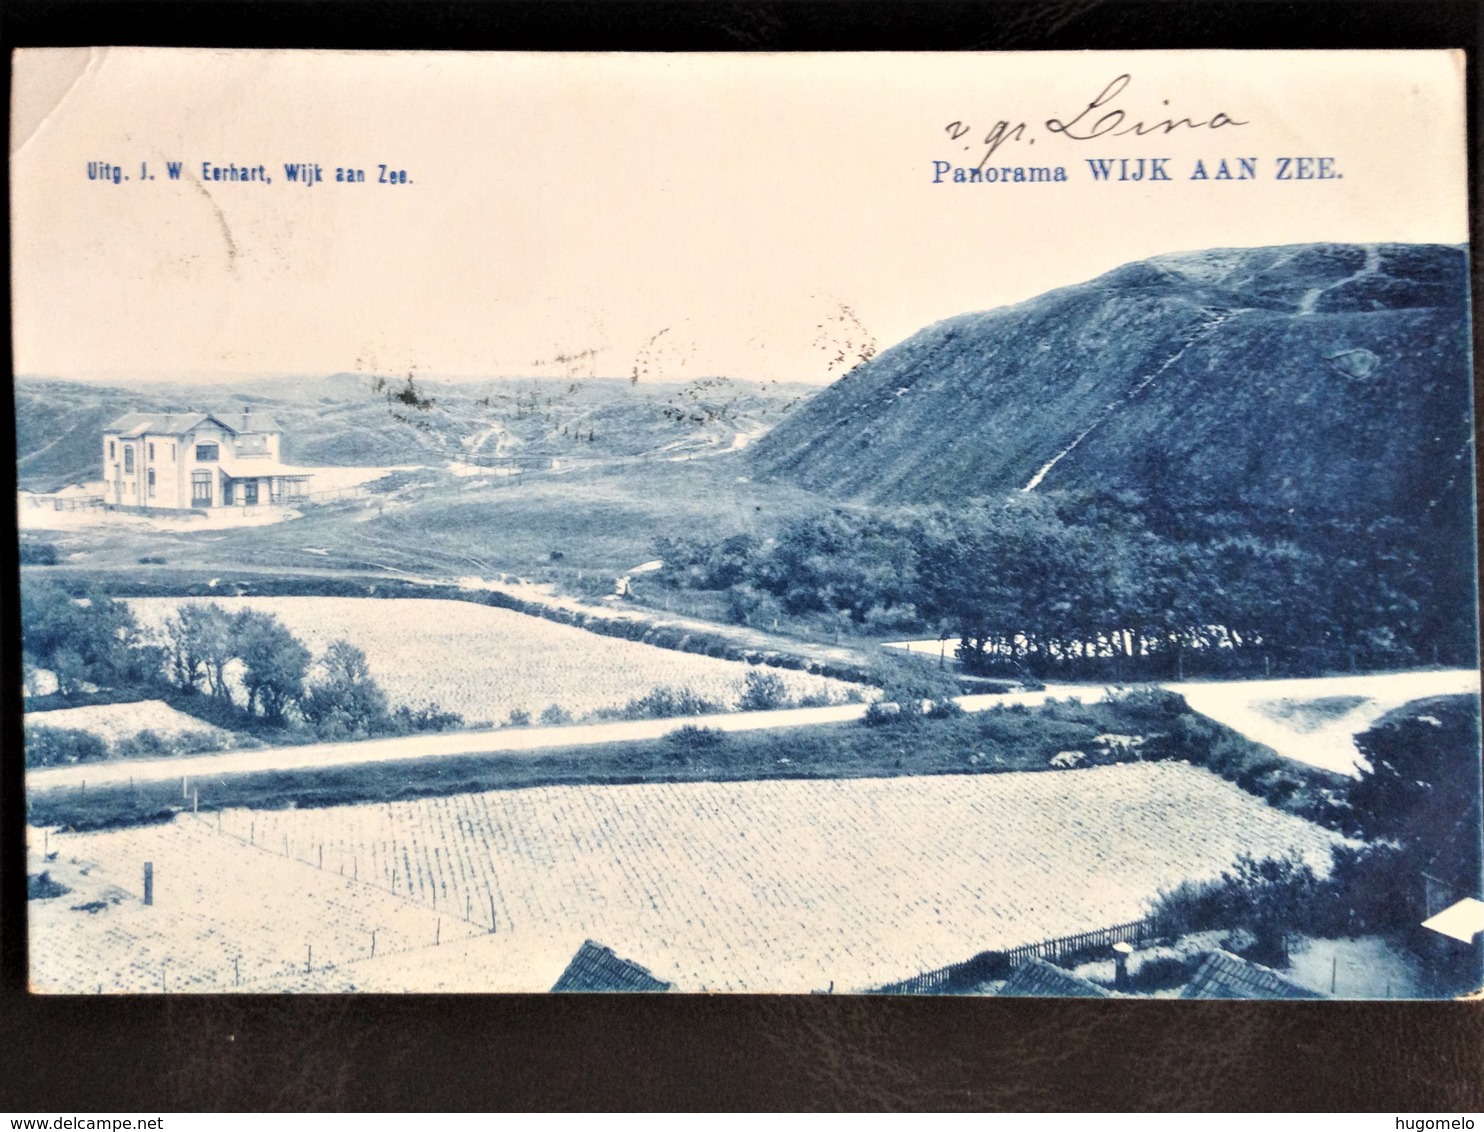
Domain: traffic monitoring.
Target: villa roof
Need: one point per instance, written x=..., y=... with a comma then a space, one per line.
x=1224, y=975
x=597, y=968
x=177, y=424
x=1036, y=978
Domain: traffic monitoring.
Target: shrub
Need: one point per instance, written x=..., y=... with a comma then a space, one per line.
x=519, y=718
x=1148, y=702
x=43, y=887
x=53, y=746
x=143, y=745
x=555, y=714
x=1160, y=972
x=1274, y=899
x=944, y=709
x=880, y=712
x=685, y=742
x=763, y=691
x=666, y=703
x=427, y=718
x=38, y=554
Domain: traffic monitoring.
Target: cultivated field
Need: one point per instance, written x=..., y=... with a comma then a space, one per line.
x=112, y=722
x=780, y=885
x=485, y=663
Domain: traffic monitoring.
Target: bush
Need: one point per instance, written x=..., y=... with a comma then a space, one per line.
x=144, y=745
x=427, y=718
x=1147, y=702
x=55, y=746
x=944, y=709
x=1275, y=899
x=686, y=742
x=763, y=691
x=880, y=713
x=665, y=703
x=43, y=887
x=519, y=718
x=38, y=554
x=1160, y=972
x=554, y=715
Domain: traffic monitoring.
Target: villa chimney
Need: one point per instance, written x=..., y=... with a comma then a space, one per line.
x=1121, y=952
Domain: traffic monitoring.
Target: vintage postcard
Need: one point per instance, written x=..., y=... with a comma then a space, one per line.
x=994, y=524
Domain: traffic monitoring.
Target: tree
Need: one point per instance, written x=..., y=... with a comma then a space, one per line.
x=275, y=664
x=201, y=642
x=86, y=639
x=346, y=700
x=1420, y=787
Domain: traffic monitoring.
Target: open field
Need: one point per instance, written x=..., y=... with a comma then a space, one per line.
x=485, y=662
x=112, y=722
x=783, y=886
x=432, y=520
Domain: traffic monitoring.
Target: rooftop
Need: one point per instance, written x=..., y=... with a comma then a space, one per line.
x=175, y=424
x=597, y=968
x=1036, y=978
x=1224, y=975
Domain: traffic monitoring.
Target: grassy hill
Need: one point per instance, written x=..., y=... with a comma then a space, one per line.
x=1325, y=376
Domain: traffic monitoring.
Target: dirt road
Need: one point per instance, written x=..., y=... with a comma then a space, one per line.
x=505, y=742
x=1310, y=720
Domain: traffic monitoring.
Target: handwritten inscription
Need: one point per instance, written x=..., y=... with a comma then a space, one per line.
x=1103, y=117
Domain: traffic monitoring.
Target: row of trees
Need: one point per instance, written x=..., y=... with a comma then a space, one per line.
x=95, y=643
x=1103, y=587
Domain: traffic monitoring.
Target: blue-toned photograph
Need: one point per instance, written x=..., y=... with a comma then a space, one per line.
x=649, y=524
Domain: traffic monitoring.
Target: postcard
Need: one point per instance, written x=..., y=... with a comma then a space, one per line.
x=986, y=524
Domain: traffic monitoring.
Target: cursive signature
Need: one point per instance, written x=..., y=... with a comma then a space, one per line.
x=1112, y=122
x=1099, y=118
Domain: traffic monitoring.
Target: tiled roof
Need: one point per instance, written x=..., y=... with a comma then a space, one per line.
x=174, y=424
x=597, y=968
x=1224, y=975
x=1036, y=978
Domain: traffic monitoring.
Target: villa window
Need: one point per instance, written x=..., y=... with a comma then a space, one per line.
x=151, y=483
x=201, y=489
x=205, y=452
x=111, y=455
x=250, y=493
x=151, y=453
x=128, y=459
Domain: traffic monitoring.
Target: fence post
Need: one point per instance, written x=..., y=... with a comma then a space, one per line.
x=149, y=882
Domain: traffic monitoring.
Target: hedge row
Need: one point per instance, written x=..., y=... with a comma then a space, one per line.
x=660, y=635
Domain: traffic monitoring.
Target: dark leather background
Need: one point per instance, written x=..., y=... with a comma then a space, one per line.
x=181, y=1053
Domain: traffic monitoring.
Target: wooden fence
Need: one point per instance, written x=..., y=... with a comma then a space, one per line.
x=66, y=502
x=957, y=978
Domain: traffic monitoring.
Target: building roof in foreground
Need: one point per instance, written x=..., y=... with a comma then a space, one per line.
x=175, y=424
x=597, y=968
x=1224, y=975
x=1036, y=978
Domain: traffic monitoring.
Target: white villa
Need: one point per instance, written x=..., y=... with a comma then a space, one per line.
x=196, y=461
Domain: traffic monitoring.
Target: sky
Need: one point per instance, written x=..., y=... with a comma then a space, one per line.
x=762, y=217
